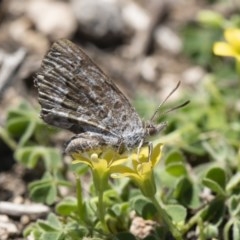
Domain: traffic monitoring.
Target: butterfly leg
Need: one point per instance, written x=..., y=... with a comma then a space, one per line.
x=87, y=141
x=140, y=146
x=150, y=150
x=121, y=147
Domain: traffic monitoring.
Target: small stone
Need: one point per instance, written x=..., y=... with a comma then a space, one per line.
x=4, y=218
x=167, y=39
x=193, y=75
x=53, y=18
x=25, y=219
x=136, y=17
x=141, y=228
x=148, y=69
x=18, y=200
x=6, y=226
x=100, y=19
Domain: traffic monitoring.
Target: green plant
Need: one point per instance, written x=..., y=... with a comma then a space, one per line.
x=29, y=137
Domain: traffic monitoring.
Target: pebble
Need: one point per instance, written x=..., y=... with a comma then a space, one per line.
x=167, y=39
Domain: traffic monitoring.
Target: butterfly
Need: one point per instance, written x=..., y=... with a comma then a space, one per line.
x=75, y=94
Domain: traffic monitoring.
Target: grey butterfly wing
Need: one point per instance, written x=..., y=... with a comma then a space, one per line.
x=75, y=94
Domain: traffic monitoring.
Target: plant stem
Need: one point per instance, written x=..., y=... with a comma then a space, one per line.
x=166, y=219
x=194, y=220
x=80, y=207
x=238, y=67
x=7, y=139
x=101, y=211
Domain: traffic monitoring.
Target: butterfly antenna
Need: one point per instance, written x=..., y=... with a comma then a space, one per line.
x=177, y=107
x=168, y=96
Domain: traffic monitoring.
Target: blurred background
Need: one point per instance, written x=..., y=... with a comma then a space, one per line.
x=146, y=47
x=137, y=43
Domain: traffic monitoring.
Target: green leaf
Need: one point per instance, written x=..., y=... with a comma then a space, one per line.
x=51, y=228
x=44, y=190
x=125, y=236
x=149, y=211
x=151, y=238
x=236, y=230
x=52, y=158
x=67, y=207
x=174, y=157
x=175, y=164
x=177, y=212
x=234, y=206
x=54, y=220
x=139, y=203
x=210, y=19
x=111, y=197
x=215, y=179
x=187, y=193
x=211, y=231
x=120, y=209
x=176, y=169
x=57, y=228
x=22, y=122
x=215, y=211
x=29, y=156
x=234, y=182
x=46, y=226
x=53, y=236
x=213, y=186
x=144, y=208
x=17, y=126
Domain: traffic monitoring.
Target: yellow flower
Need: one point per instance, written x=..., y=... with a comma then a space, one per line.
x=141, y=171
x=231, y=48
x=111, y=163
x=100, y=164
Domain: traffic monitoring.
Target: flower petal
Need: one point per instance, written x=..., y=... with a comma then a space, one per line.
x=75, y=161
x=144, y=169
x=123, y=171
x=232, y=35
x=156, y=154
x=80, y=158
x=141, y=156
x=144, y=152
x=224, y=49
x=118, y=162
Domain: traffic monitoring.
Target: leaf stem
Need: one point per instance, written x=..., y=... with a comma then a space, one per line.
x=166, y=219
x=101, y=211
x=80, y=206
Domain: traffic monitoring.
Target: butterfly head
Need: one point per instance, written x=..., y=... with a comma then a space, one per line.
x=152, y=129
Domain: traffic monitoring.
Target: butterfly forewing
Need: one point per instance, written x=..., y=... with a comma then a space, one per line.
x=75, y=94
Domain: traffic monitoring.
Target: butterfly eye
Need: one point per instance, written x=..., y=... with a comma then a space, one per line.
x=151, y=130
